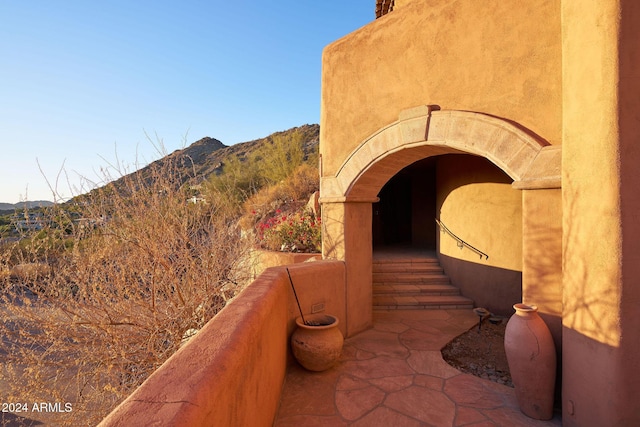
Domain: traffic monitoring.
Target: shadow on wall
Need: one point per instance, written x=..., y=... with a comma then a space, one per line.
x=592, y=284
x=542, y=257
x=333, y=232
x=493, y=288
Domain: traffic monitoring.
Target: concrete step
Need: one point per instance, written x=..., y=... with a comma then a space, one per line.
x=429, y=267
x=409, y=278
x=415, y=290
x=426, y=302
x=414, y=283
x=404, y=258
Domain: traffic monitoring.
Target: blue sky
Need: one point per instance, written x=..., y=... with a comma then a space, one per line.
x=86, y=83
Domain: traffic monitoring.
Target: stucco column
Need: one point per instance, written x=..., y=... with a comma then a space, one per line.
x=542, y=256
x=601, y=205
x=542, y=260
x=347, y=236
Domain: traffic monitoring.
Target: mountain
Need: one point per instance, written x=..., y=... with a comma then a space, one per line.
x=208, y=155
x=21, y=205
x=204, y=157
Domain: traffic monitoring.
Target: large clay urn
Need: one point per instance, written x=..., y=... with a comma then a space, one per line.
x=531, y=355
x=317, y=344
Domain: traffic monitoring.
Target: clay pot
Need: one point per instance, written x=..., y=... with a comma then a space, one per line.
x=531, y=355
x=317, y=345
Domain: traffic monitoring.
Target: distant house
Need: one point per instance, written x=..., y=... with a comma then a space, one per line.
x=89, y=223
x=196, y=199
x=28, y=222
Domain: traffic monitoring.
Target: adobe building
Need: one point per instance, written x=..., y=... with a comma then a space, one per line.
x=516, y=125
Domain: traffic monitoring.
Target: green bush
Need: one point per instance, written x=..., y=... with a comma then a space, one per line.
x=238, y=181
x=276, y=161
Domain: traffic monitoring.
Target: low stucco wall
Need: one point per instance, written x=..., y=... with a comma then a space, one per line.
x=320, y=286
x=231, y=372
x=263, y=259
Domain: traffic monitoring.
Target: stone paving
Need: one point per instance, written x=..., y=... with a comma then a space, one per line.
x=394, y=375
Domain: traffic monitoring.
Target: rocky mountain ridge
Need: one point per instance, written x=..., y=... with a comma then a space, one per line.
x=208, y=155
x=22, y=205
x=205, y=157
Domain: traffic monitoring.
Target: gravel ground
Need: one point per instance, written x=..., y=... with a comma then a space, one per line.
x=481, y=353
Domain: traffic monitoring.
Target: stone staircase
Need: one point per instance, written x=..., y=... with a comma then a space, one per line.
x=414, y=283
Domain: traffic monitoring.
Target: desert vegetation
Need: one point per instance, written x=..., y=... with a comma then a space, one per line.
x=117, y=279
x=271, y=189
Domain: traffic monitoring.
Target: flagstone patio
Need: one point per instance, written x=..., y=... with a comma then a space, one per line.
x=394, y=375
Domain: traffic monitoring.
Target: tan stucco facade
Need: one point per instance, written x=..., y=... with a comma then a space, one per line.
x=447, y=53
x=529, y=115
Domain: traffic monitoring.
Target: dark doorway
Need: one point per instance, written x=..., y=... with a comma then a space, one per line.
x=405, y=214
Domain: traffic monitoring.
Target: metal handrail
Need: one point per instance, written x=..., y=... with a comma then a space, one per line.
x=461, y=243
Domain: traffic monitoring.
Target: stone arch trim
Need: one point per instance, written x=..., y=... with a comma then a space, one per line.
x=425, y=131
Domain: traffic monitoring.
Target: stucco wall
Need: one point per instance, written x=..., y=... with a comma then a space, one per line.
x=542, y=256
x=206, y=381
x=262, y=259
x=476, y=201
x=484, y=56
x=346, y=235
x=601, y=201
x=400, y=3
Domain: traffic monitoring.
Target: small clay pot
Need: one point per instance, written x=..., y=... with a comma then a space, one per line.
x=317, y=345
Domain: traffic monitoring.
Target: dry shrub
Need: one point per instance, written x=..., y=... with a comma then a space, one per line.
x=278, y=169
x=122, y=276
x=289, y=195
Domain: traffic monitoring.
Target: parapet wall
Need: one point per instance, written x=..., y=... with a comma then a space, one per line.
x=231, y=372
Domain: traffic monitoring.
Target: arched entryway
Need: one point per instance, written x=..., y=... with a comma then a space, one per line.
x=419, y=134
x=404, y=215
x=463, y=211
